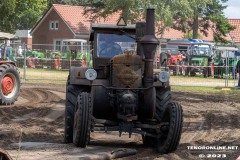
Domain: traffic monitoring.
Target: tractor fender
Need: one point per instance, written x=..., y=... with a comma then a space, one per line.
x=9, y=62
x=77, y=75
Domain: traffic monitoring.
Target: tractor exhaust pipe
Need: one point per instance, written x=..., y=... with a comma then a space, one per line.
x=149, y=44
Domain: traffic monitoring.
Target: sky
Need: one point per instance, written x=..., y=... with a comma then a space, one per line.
x=233, y=9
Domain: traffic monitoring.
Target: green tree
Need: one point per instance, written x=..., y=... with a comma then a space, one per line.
x=28, y=12
x=134, y=10
x=190, y=35
x=7, y=8
x=186, y=15
x=220, y=25
x=20, y=14
x=68, y=2
x=208, y=15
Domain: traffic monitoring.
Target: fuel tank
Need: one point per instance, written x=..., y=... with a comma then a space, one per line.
x=126, y=71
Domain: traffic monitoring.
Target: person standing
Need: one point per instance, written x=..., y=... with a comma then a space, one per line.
x=179, y=63
x=238, y=71
x=2, y=50
x=20, y=51
x=169, y=58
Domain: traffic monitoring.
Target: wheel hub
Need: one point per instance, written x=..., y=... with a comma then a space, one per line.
x=7, y=85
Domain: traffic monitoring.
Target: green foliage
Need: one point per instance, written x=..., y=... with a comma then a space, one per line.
x=208, y=15
x=134, y=10
x=189, y=34
x=221, y=26
x=28, y=12
x=20, y=14
x=185, y=15
x=68, y=2
x=7, y=8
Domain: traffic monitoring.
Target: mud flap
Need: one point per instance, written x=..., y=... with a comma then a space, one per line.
x=4, y=155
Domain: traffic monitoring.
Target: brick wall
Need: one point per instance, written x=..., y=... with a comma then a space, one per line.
x=44, y=35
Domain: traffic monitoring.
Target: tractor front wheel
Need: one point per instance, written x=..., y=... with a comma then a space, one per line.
x=163, y=98
x=10, y=84
x=170, y=114
x=171, y=132
x=72, y=92
x=82, y=122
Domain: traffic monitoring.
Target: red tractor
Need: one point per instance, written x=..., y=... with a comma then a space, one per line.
x=9, y=78
x=10, y=82
x=173, y=62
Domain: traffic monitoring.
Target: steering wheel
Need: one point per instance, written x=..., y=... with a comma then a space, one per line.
x=111, y=50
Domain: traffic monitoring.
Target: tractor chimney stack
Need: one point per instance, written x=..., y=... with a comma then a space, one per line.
x=149, y=44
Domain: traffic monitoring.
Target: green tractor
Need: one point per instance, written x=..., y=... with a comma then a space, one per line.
x=224, y=62
x=196, y=55
x=199, y=59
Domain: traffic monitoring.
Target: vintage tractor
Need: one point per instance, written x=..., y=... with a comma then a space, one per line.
x=10, y=80
x=200, y=59
x=224, y=61
x=121, y=92
x=171, y=62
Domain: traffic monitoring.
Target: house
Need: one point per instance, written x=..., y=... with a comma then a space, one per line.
x=175, y=34
x=63, y=24
x=233, y=36
x=24, y=37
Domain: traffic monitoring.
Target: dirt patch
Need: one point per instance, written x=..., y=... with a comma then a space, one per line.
x=35, y=125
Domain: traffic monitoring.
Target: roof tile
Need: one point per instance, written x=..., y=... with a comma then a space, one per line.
x=236, y=32
x=78, y=21
x=175, y=34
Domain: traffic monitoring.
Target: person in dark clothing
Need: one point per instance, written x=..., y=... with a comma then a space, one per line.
x=238, y=71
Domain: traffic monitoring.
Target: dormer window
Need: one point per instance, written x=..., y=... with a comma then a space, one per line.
x=53, y=25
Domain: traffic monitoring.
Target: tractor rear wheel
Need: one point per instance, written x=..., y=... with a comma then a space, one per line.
x=82, y=121
x=72, y=92
x=10, y=84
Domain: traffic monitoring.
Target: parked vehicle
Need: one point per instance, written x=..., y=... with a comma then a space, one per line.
x=197, y=55
x=9, y=78
x=225, y=59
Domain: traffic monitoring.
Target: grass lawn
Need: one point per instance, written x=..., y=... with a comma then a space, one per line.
x=200, y=81
x=44, y=76
x=34, y=75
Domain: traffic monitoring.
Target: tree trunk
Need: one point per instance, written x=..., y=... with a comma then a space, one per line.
x=195, y=26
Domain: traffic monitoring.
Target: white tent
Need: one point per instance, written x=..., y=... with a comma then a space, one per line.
x=4, y=35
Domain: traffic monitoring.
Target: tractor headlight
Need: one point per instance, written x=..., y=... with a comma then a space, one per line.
x=164, y=76
x=91, y=74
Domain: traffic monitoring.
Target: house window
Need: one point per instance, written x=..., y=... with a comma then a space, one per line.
x=53, y=25
x=57, y=45
x=56, y=25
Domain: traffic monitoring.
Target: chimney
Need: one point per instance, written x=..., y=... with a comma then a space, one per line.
x=149, y=44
